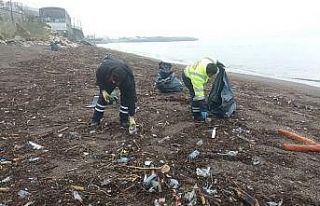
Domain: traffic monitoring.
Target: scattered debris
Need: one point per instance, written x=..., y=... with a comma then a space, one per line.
x=35, y=145
x=76, y=187
x=203, y=172
x=148, y=163
x=77, y=196
x=4, y=189
x=106, y=182
x=214, y=131
x=163, y=139
x=124, y=160
x=23, y=194
x=152, y=183
x=246, y=198
x=199, y=143
x=160, y=202
x=5, y=180
x=194, y=155
x=34, y=159
x=173, y=183
x=255, y=161
x=275, y=203
x=232, y=153
x=163, y=169
x=208, y=189
x=190, y=198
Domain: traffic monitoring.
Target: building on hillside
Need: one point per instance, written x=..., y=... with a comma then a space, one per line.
x=58, y=19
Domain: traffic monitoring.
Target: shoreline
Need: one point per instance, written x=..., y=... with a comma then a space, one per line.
x=313, y=83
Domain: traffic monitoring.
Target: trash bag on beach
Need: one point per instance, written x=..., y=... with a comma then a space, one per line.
x=54, y=46
x=221, y=100
x=166, y=80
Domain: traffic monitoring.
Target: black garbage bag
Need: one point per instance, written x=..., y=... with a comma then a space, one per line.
x=221, y=100
x=166, y=80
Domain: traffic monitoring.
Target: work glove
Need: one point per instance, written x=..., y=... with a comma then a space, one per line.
x=107, y=97
x=132, y=126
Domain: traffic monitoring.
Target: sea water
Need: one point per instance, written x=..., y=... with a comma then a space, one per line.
x=296, y=60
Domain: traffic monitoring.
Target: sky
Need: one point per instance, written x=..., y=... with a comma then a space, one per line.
x=200, y=18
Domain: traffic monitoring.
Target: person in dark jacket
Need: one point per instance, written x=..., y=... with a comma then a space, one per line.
x=113, y=73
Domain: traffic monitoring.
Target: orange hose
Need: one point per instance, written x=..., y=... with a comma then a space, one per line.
x=302, y=148
x=297, y=137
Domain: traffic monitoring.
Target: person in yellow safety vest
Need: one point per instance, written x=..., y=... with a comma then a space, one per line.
x=195, y=77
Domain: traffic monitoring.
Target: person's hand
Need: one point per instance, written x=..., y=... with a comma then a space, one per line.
x=132, y=125
x=204, y=116
x=106, y=96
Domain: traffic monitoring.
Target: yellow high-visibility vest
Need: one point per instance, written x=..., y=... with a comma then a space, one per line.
x=198, y=75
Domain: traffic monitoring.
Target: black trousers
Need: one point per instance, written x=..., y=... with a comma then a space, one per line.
x=102, y=105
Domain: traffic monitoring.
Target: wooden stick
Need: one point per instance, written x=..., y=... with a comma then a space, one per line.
x=296, y=137
x=302, y=148
x=246, y=198
x=164, y=168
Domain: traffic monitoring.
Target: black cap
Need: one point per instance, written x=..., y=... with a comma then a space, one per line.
x=211, y=69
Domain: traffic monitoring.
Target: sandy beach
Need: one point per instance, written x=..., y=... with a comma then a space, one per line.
x=43, y=95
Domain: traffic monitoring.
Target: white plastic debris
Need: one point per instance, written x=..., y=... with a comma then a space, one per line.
x=28, y=203
x=232, y=153
x=203, y=172
x=5, y=180
x=34, y=159
x=210, y=191
x=200, y=143
x=106, y=182
x=190, y=198
x=147, y=163
x=77, y=196
x=214, y=131
x=23, y=194
x=35, y=145
x=173, y=183
x=194, y=154
x=275, y=203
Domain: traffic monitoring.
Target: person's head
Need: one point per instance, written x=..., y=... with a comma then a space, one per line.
x=117, y=76
x=211, y=69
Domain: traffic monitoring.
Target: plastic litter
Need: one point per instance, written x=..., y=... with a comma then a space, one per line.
x=232, y=153
x=200, y=143
x=203, y=172
x=173, y=183
x=77, y=196
x=5, y=180
x=106, y=182
x=23, y=194
x=190, y=198
x=194, y=155
x=275, y=203
x=148, y=163
x=151, y=183
x=35, y=145
x=208, y=189
x=214, y=131
x=124, y=160
x=34, y=159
